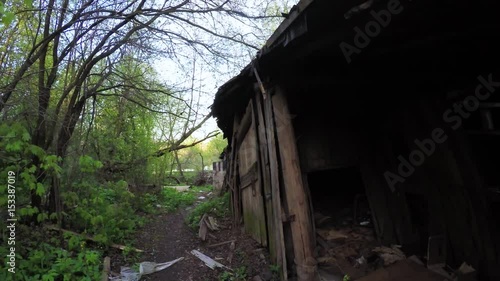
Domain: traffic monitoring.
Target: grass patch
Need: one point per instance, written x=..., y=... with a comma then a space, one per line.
x=218, y=206
x=173, y=199
x=239, y=274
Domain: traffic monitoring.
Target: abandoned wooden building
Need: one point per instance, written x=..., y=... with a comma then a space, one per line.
x=382, y=116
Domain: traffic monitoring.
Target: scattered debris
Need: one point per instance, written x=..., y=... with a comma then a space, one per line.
x=203, y=230
x=152, y=267
x=220, y=244
x=106, y=269
x=208, y=261
x=416, y=260
x=465, y=273
x=328, y=276
x=207, y=223
x=346, y=250
x=202, y=198
x=231, y=252
x=128, y=274
x=331, y=234
x=320, y=219
x=390, y=255
x=322, y=242
x=436, y=255
x=330, y=260
x=404, y=270
x=212, y=223
x=180, y=188
x=361, y=260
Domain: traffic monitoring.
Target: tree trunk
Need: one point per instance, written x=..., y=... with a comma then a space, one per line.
x=202, y=163
x=179, y=166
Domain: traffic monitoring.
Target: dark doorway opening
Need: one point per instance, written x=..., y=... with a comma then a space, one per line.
x=340, y=193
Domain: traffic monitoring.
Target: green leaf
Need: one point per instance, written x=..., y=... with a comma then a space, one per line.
x=37, y=151
x=14, y=146
x=41, y=217
x=8, y=18
x=40, y=189
x=26, y=136
x=28, y=3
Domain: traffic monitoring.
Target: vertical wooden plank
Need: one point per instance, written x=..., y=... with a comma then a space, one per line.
x=253, y=201
x=275, y=187
x=260, y=182
x=295, y=195
x=265, y=177
x=233, y=176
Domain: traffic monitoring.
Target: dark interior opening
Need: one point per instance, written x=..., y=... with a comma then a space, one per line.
x=340, y=194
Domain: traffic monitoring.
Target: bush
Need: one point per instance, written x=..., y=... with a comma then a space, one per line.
x=218, y=206
x=46, y=262
x=105, y=211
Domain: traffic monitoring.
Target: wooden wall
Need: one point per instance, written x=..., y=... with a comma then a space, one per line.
x=442, y=197
x=250, y=184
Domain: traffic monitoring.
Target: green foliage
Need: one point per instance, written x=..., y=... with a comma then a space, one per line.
x=239, y=274
x=106, y=211
x=17, y=155
x=47, y=262
x=275, y=269
x=173, y=199
x=346, y=278
x=218, y=206
x=88, y=164
x=203, y=154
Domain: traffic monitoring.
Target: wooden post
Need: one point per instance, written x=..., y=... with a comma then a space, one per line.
x=295, y=195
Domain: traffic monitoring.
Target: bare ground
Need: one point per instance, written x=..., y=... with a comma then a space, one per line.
x=167, y=237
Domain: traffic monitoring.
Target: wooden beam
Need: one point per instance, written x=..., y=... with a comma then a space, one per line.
x=295, y=195
x=275, y=186
x=244, y=125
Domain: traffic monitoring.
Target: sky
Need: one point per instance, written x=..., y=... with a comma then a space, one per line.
x=211, y=74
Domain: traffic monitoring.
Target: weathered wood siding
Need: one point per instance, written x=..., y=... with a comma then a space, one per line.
x=250, y=185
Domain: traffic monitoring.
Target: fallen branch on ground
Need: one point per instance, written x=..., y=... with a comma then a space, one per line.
x=220, y=244
x=90, y=238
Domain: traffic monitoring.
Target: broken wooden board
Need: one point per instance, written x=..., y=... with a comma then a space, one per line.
x=390, y=255
x=207, y=260
x=220, y=244
x=404, y=270
x=331, y=234
x=180, y=188
x=202, y=232
x=106, y=270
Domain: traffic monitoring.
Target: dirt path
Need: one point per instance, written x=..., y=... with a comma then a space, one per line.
x=167, y=237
